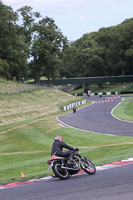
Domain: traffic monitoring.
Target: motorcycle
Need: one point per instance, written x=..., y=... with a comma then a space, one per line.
x=74, y=109
x=63, y=170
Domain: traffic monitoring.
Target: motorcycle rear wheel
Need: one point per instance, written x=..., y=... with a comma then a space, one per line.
x=59, y=172
x=88, y=166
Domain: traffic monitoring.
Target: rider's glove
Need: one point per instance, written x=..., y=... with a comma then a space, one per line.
x=76, y=149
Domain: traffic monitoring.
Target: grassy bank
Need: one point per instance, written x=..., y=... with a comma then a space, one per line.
x=33, y=104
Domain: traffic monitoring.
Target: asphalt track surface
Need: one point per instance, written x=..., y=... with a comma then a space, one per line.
x=111, y=184
x=97, y=118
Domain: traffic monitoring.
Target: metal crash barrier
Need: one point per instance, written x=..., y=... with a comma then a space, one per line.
x=77, y=103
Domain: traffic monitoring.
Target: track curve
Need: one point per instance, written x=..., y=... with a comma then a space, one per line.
x=98, y=118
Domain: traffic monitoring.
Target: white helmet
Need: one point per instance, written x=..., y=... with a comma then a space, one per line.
x=59, y=138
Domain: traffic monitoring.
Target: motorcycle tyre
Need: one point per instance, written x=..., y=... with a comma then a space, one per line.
x=88, y=162
x=57, y=173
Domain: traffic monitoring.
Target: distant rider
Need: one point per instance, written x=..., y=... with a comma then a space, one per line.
x=74, y=109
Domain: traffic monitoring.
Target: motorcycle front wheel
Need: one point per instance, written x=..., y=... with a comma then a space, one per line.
x=59, y=172
x=88, y=166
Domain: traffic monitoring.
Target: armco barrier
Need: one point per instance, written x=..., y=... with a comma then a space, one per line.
x=77, y=103
x=100, y=93
x=104, y=93
x=107, y=93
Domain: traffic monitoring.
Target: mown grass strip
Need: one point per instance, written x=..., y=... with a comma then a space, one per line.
x=125, y=110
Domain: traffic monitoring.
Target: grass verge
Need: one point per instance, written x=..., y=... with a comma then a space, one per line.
x=125, y=110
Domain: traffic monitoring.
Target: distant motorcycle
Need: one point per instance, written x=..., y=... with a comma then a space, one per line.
x=63, y=170
x=74, y=109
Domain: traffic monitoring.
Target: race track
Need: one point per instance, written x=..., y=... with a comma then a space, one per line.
x=110, y=184
x=98, y=118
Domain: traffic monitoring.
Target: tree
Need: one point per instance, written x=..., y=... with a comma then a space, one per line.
x=13, y=49
x=7, y=24
x=84, y=58
x=108, y=52
x=47, y=48
x=4, y=69
x=28, y=19
x=68, y=62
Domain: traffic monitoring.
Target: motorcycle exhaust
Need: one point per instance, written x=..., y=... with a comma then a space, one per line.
x=68, y=168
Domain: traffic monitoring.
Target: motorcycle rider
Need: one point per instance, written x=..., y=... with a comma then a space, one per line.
x=57, y=149
x=74, y=109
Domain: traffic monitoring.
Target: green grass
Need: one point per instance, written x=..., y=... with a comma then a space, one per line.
x=125, y=110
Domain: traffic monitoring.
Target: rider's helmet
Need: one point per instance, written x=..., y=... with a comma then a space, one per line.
x=59, y=138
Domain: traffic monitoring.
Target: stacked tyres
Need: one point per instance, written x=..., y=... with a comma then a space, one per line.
x=88, y=166
x=59, y=172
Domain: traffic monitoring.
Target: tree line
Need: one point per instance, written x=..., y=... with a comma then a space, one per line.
x=33, y=46
x=107, y=52
x=29, y=44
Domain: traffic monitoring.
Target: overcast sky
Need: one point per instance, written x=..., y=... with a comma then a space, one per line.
x=77, y=17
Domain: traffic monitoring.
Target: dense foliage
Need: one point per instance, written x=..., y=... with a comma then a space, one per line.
x=29, y=44
x=34, y=46
x=108, y=52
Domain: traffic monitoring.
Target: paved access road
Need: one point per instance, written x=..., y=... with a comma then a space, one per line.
x=98, y=118
x=111, y=184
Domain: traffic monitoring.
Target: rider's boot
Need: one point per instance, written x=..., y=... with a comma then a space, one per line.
x=54, y=176
x=70, y=159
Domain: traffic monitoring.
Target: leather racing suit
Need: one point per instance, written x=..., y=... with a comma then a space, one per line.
x=57, y=149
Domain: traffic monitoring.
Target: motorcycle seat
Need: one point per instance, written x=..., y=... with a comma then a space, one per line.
x=56, y=157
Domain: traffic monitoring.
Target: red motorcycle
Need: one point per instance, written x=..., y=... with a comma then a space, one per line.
x=63, y=170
